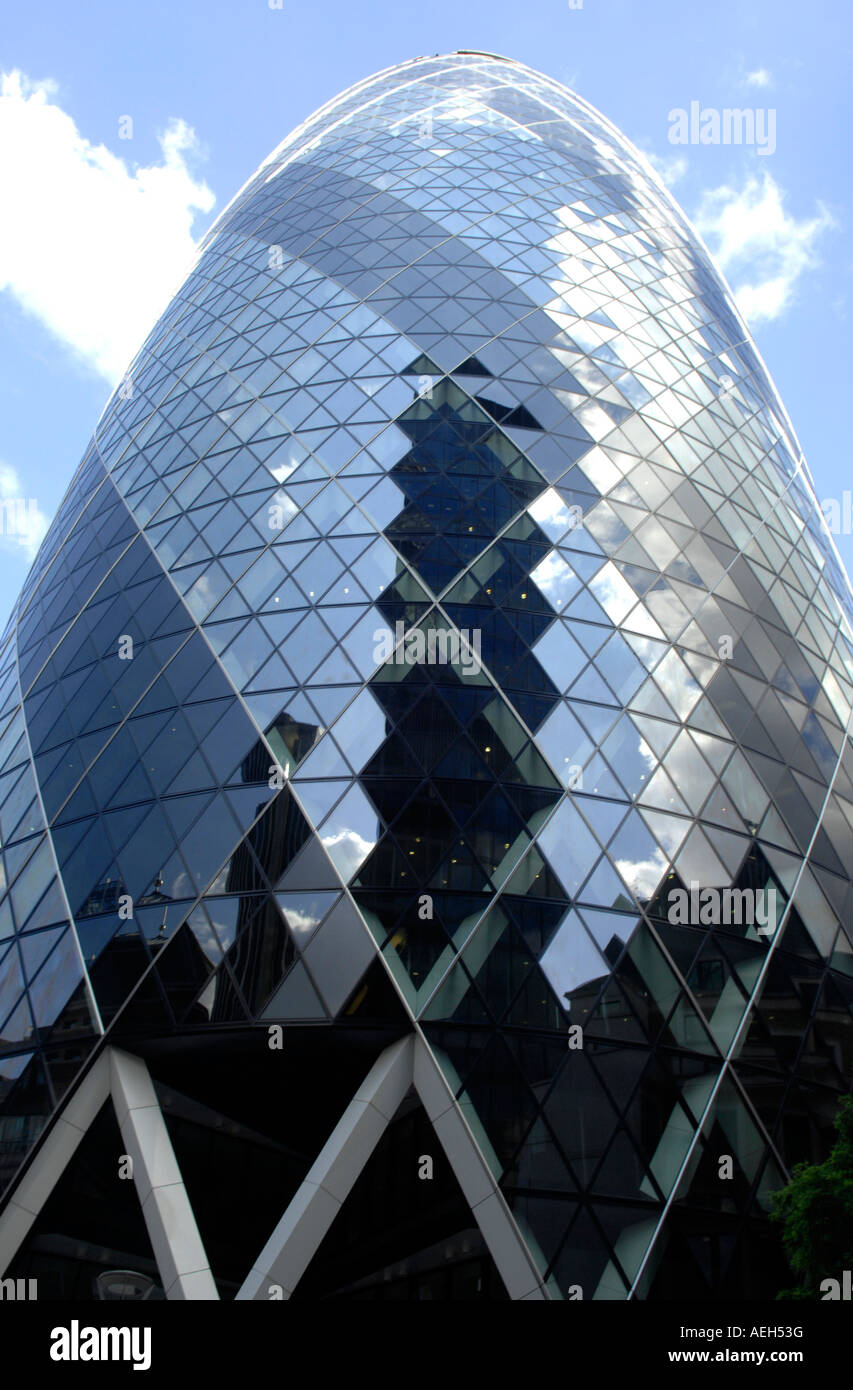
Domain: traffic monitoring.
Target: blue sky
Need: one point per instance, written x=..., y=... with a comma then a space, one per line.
x=97, y=228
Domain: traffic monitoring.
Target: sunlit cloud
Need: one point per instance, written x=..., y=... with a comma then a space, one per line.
x=22, y=522
x=91, y=244
x=348, y=851
x=762, y=249
x=670, y=168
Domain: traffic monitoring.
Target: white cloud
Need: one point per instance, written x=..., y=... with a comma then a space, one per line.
x=613, y=592
x=555, y=578
x=302, y=923
x=92, y=247
x=670, y=168
x=762, y=249
x=760, y=78
x=22, y=522
x=348, y=850
x=644, y=875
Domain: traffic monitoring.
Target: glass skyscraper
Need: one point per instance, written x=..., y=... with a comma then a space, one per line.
x=438, y=628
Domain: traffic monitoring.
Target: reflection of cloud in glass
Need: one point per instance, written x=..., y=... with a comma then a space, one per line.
x=556, y=579
x=553, y=514
x=669, y=829
x=286, y=460
x=630, y=756
x=224, y=921
x=350, y=832
x=206, y=938
x=220, y=883
x=689, y=771
x=640, y=620
x=181, y=886
x=301, y=923
x=648, y=650
x=657, y=542
x=588, y=374
x=594, y=420
x=609, y=529
x=601, y=470
x=835, y=696
x=347, y=850
x=643, y=876
x=614, y=593
x=674, y=679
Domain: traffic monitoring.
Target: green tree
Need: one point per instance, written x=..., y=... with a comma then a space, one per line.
x=815, y=1211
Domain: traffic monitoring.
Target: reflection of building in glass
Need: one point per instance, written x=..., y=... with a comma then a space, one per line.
x=104, y=897
x=465, y=373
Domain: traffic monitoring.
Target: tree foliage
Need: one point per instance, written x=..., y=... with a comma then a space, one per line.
x=815, y=1211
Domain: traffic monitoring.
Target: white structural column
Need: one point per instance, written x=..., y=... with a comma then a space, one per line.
x=50, y=1162
x=290, y=1248
x=177, y=1244
x=505, y=1243
x=298, y=1235
x=172, y=1229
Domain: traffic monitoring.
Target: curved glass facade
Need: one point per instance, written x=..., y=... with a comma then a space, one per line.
x=439, y=625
